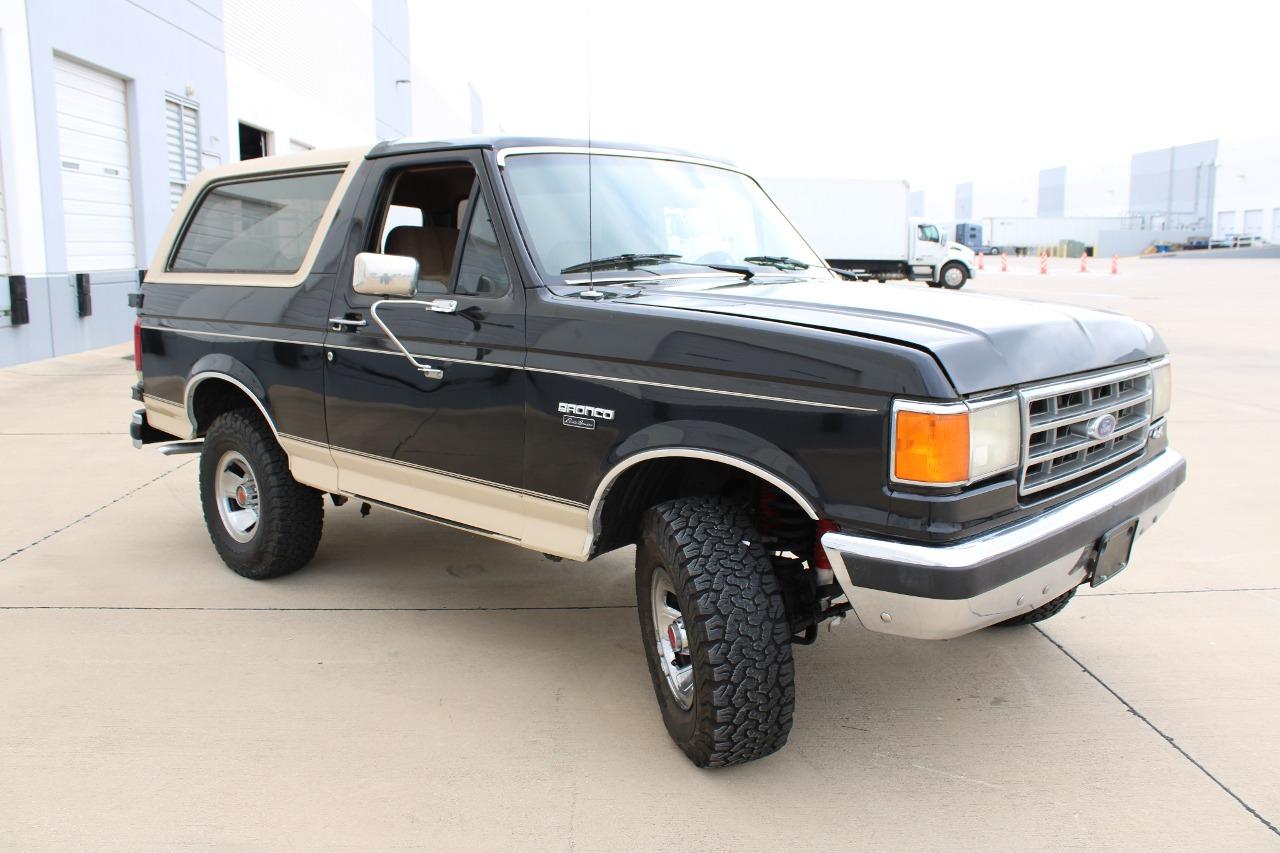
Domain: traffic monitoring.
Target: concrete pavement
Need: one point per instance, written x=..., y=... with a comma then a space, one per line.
x=418, y=687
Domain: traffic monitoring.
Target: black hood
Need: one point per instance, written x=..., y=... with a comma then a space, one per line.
x=982, y=342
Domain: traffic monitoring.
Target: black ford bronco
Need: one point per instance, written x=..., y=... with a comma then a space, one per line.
x=578, y=348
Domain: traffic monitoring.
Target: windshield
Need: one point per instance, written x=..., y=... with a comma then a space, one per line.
x=682, y=212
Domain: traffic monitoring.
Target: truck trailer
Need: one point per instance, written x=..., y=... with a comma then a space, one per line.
x=866, y=225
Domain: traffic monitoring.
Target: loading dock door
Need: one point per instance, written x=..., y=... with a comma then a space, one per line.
x=1253, y=223
x=93, y=146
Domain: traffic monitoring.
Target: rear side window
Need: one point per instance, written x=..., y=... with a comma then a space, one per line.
x=256, y=226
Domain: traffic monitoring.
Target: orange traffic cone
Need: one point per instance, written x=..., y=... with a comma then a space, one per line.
x=1004, y=262
x=980, y=261
x=1084, y=262
x=1115, y=264
x=1044, y=263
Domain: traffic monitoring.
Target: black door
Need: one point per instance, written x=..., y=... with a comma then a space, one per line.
x=449, y=447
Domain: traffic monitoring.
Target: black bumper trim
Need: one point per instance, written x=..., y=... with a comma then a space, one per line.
x=143, y=433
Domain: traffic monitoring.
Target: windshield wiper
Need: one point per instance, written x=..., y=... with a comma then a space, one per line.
x=631, y=261
x=627, y=261
x=777, y=261
x=791, y=264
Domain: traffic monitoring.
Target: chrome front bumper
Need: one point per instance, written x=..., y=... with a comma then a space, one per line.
x=936, y=592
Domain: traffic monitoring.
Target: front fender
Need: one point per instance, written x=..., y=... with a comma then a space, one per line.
x=719, y=442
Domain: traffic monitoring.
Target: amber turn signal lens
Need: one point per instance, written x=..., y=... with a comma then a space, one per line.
x=931, y=447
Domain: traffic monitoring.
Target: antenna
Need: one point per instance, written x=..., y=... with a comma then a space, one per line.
x=591, y=252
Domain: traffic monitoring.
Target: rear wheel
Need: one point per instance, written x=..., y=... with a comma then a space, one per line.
x=715, y=630
x=263, y=523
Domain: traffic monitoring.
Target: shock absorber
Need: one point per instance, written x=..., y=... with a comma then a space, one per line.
x=788, y=534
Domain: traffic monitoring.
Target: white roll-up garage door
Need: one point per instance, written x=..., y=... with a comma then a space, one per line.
x=1253, y=222
x=93, y=144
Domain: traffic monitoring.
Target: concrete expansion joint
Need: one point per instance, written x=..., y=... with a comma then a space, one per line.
x=91, y=513
x=1167, y=738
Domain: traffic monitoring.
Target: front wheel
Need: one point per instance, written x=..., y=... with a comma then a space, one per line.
x=954, y=276
x=1043, y=612
x=263, y=523
x=715, y=630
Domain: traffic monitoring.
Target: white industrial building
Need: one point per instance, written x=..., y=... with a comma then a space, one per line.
x=109, y=107
x=1214, y=189
x=1247, y=190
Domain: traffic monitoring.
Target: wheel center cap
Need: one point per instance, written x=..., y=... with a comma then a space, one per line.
x=676, y=636
x=242, y=496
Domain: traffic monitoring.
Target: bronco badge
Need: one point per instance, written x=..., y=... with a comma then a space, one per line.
x=585, y=411
x=582, y=417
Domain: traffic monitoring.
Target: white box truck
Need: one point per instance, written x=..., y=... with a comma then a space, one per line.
x=864, y=225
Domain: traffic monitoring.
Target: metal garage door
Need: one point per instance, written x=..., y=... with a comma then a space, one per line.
x=93, y=144
x=1253, y=223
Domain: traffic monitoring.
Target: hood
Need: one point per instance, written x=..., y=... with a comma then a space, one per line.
x=982, y=342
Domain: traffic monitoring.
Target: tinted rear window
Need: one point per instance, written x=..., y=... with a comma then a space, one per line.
x=255, y=226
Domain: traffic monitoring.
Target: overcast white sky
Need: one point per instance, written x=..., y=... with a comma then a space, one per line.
x=887, y=90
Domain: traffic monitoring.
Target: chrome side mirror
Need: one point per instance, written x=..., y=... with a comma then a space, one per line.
x=385, y=275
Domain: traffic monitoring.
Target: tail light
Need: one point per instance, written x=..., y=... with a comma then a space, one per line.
x=137, y=345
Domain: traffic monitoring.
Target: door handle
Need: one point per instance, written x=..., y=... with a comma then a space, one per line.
x=342, y=324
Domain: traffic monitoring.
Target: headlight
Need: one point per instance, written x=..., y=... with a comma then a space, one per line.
x=954, y=444
x=1161, y=389
x=995, y=437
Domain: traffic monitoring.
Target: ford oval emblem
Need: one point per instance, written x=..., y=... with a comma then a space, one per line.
x=1101, y=427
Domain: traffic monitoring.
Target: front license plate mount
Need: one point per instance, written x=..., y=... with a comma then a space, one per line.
x=1114, y=550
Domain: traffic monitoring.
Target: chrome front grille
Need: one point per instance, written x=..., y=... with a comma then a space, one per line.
x=1064, y=426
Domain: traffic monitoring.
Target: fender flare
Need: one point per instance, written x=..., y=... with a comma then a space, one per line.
x=714, y=442
x=224, y=367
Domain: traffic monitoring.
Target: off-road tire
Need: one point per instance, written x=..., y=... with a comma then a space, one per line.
x=738, y=633
x=1041, y=613
x=291, y=515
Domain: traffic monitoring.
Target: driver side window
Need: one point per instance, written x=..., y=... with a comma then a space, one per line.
x=482, y=271
x=422, y=217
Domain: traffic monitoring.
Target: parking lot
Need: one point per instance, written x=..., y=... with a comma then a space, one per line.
x=418, y=687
